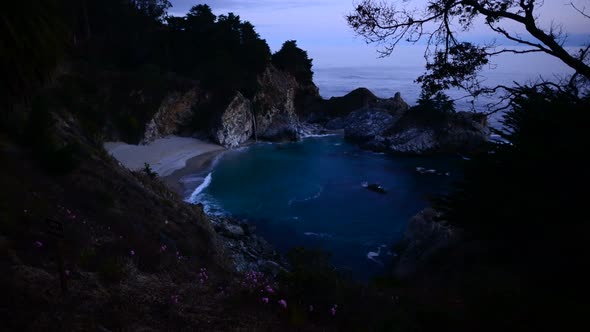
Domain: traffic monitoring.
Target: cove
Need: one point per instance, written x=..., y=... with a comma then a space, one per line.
x=311, y=194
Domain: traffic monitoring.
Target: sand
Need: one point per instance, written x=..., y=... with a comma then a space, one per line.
x=164, y=155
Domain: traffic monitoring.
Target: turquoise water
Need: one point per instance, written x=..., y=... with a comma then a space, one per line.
x=311, y=194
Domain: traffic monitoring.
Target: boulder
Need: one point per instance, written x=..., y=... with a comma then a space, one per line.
x=235, y=125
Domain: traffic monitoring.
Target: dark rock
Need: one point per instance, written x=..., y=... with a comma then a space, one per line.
x=364, y=125
x=274, y=107
x=336, y=124
x=452, y=133
x=248, y=252
x=174, y=112
x=376, y=188
x=423, y=238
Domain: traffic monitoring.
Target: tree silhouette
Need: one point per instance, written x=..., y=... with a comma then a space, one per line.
x=455, y=63
x=294, y=60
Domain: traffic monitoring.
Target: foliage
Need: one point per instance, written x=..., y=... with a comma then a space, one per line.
x=223, y=52
x=33, y=40
x=453, y=63
x=147, y=169
x=154, y=9
x=440, y=103
x=524, y=182
x=56, y=156
x=112, y=270
x=294, y=60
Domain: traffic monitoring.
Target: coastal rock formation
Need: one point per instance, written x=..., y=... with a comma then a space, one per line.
x=235, y=125
x=247, y=251
x=396, y=104
x=364, y=125
x=423, y=238
x=334, y=111
x=175, y=111
x=417, y=133
x=274, y=106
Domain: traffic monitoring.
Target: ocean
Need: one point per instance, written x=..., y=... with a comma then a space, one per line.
x=397, y=73
x=313, y=194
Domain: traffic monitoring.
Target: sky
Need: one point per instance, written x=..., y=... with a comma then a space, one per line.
x=320, y=27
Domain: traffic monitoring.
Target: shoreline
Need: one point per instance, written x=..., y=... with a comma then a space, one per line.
x=198, y=166
x=164, y=155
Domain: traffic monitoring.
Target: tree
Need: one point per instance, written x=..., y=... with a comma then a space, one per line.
x=294, y=60
x=455, y=63
x=33, y=38
x=154, y=9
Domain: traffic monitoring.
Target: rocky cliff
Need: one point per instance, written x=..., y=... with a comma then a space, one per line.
x=274, y=106
x=390, y=125
x=271, y=114
x=236, y=123
x=174, y=112
x=418, y=133
x=423, y=239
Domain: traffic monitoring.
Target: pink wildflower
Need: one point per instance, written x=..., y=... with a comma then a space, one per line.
x=269, y=289
x=38, y=244
x=265, y=300
x=283, y=303
x=132, y=252
x=333, y=310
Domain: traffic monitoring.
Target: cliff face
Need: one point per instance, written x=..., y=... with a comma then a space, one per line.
x=272, y=114
x=174, y=112
x=274, y=106
x=235, y=125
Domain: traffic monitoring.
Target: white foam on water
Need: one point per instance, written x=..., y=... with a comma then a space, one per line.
x=193, y=198
x=321, y=235
x=372, y=255
x=318, y=135
x=315, y=196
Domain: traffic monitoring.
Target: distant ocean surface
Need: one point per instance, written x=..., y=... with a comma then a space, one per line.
x=311, y=194
x=385, y=77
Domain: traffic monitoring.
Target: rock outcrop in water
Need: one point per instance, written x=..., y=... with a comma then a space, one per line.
x=364, y=125
x=235, y=126
x=390, y=125
x=417, y=133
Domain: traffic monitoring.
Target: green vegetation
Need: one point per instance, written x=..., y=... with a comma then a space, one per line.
x=147, y=169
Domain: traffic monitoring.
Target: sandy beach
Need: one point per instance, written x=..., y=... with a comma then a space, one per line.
x=164, y=155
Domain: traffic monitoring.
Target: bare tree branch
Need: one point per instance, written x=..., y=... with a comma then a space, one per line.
x=450, y=62
x=581, y=11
